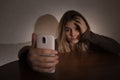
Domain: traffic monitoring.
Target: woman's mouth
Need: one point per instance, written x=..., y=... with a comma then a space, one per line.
x=74, y=40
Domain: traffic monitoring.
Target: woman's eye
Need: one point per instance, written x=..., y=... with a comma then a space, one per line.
x=67, y=29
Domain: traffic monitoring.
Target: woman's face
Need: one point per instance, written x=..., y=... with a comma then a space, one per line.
x=72, y=32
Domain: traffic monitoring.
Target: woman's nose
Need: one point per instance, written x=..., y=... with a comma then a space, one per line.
x=73, y=33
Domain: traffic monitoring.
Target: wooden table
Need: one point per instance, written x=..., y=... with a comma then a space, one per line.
x=84, y=66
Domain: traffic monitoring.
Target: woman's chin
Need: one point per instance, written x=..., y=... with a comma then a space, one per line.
x=74, y=42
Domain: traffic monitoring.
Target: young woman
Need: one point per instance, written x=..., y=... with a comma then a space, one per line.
x=74, y=34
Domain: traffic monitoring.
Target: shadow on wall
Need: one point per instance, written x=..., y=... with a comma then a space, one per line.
x=46, y=24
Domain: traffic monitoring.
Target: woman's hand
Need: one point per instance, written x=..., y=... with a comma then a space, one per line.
x=81, y=23
x=42, y=60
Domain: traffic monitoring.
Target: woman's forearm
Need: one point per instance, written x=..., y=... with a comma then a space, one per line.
x=106, y=43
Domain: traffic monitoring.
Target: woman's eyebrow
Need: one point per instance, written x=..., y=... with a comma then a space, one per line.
x=66, y=27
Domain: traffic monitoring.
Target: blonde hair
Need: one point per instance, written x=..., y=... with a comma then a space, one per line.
x=62, y=44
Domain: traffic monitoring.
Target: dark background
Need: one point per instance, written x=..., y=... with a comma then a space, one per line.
x=17, y=17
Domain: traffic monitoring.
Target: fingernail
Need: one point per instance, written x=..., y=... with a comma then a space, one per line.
x=56, y=52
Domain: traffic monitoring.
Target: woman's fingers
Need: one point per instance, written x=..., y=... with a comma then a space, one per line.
x=34, y=40
x=48, y=59
x=42, y=52
x=46, y=70
x=42, y=59
x=77, y=19
x=81, y=23
x=45, y=64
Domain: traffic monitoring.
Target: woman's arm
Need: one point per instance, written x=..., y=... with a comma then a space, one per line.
x=108, y=44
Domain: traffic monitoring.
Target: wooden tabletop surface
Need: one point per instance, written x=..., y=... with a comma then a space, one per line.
x=72, y=66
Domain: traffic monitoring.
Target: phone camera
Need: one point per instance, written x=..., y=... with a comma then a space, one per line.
x=44, y=40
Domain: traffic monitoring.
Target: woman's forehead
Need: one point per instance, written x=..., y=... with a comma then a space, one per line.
x=70, y=24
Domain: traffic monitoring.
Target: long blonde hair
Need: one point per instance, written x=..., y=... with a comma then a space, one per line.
x=62, y=43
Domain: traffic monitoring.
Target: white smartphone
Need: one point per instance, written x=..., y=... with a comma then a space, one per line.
x=45, y=42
